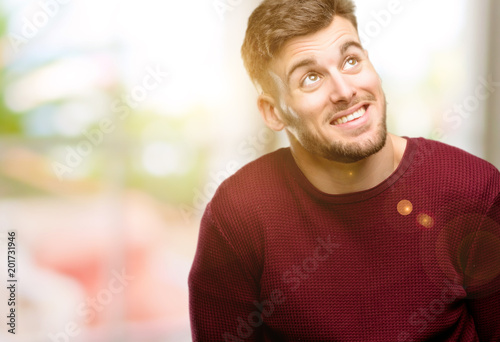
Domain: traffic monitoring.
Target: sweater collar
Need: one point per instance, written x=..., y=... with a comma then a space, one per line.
x=353, y=197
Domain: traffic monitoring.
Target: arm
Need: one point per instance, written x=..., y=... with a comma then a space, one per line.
x=221, y=290
x=483, y=275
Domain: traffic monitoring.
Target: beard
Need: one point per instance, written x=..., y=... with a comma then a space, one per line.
x=338, y=150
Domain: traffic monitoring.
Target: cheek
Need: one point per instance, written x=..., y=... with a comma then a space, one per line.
x=311, y=105
x=369, y=81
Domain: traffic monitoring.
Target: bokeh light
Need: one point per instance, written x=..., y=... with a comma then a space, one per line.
x=425, y=220
x=405, y=207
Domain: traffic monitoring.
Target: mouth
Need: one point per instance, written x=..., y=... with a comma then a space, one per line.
x=359, y=113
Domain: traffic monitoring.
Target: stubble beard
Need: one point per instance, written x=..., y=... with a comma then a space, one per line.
x=338, y=151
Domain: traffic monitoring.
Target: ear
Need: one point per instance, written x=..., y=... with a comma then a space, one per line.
x=271, y=113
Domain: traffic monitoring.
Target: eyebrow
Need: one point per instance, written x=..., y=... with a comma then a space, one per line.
x=348, y=44
x=300, y=64
x=312, y=61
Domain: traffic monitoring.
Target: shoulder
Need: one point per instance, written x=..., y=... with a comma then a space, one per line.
x=452, y=156
x=454, y=167
x=255, y=177
x=254, y=185
x=241, y=205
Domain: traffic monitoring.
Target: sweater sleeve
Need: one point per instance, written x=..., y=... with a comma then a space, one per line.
x=483, y=275
x=222, y=292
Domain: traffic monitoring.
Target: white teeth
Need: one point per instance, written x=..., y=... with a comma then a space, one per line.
x=359, y=113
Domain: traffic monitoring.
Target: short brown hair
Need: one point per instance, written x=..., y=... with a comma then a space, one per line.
x=275, y=22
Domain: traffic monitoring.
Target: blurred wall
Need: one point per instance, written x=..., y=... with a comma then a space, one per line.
x=492, y=140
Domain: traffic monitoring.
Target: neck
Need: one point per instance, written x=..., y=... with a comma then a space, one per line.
x=339, y=178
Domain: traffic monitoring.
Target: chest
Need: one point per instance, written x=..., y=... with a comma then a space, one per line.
x=362, y=276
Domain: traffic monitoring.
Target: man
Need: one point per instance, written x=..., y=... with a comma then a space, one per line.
x=351, y=234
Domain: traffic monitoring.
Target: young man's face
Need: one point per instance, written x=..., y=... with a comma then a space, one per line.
x=330, y=98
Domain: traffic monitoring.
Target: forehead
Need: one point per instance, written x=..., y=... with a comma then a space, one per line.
x=330, y=38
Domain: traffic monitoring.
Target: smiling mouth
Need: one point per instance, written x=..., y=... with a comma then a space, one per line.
x=356, y=115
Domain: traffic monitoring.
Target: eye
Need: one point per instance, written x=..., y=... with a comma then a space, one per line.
x=310, y=80
x=350, y=63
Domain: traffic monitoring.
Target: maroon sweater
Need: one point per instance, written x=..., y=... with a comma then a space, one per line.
x=416, y=258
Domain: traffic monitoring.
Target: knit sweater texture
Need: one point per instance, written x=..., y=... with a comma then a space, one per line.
x=415, y=258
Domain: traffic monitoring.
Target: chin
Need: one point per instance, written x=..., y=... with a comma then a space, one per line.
x=347, y=152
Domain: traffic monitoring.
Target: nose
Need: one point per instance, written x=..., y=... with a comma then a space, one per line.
x=341, y=88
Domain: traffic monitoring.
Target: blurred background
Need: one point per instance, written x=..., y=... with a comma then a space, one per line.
x=118, y=120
